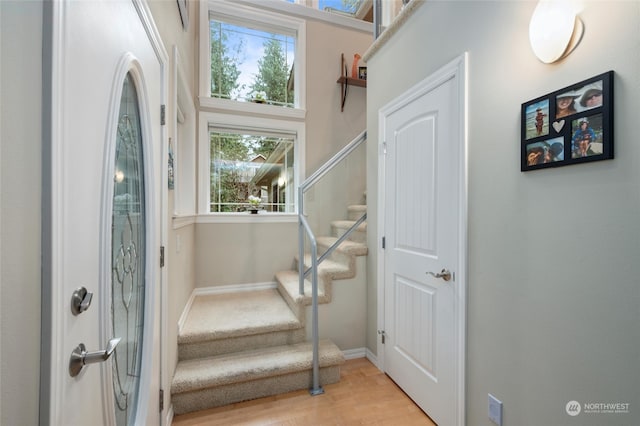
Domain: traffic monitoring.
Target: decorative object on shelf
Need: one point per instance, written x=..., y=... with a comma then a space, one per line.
x=362, y=73
x=254, y=204
x=259, y=97
x=346, y=81
x=354, y=66
x=569, y=126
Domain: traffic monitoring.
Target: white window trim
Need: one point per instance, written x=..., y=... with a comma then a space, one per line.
x=279, y=22
x=308, y=9
x=207, y=119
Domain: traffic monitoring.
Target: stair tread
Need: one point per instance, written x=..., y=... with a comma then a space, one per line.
x=290, y=281
x=219, y=316
x=244, y=366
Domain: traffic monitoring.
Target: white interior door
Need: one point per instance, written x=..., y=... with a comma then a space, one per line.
x=423, y=261
x=106, y=151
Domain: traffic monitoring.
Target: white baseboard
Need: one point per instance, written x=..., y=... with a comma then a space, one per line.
x=234, y=288
x=201, y=291
x=169, y=417
x=373, y=358
x=185, y=312
x=354, y=353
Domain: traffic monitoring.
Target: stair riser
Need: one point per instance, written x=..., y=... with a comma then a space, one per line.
x=228, y=394
x=356, y=236
x=337, y=255
x=235, y=344
x=355, y=214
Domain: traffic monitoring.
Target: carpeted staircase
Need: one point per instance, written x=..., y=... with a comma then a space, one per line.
x=245, y=345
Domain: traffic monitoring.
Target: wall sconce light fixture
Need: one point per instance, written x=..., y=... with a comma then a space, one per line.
x=555, y=29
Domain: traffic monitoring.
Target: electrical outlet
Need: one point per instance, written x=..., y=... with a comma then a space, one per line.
x=495, y=410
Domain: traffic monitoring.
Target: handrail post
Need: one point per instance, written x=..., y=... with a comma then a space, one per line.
x=300, y=241
x=304, y=228
x=317, y=389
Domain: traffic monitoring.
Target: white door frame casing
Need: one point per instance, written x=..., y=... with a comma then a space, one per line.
x=455, y=69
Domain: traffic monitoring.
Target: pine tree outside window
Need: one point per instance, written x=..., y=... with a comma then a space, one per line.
x=251, y=62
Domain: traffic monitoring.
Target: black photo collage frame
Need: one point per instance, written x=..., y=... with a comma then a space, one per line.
x=569, y=126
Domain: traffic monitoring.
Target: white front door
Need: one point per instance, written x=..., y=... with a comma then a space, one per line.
x=423, y=217
x=103, y=171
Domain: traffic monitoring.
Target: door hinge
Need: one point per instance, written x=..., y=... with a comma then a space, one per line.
x=162, y=114
x=161, y=400
x=383, y=148
x=382, y=335
x=162, y=256
x=384, y=243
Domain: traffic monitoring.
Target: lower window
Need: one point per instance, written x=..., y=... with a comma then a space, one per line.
x=251, y=171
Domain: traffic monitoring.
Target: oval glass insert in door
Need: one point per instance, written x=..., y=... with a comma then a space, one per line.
x=128, y=253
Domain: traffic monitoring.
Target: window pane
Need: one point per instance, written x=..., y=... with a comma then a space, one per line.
x=244, y=165
x=348, y=6
x=251, y=65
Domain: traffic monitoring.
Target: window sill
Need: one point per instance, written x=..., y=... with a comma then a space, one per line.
x=224, y=105
x=262, y=217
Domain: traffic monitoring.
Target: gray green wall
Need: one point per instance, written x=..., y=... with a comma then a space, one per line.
x=20, y=174
x=553, y=279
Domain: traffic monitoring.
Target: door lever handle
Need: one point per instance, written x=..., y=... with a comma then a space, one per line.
x=444, y=274
x=80, y=357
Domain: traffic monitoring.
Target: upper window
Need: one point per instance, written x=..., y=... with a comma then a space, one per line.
x=347, y=6
x=353, y=8
x=251, y=65
x=253, y=56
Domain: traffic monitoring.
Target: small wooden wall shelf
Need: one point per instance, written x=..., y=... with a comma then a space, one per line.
x=346, y=81
x=352, y=81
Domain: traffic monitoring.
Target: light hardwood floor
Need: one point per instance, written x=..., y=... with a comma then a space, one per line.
x=364, y=396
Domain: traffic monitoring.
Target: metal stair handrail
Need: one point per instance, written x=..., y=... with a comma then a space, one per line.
x=304, y=228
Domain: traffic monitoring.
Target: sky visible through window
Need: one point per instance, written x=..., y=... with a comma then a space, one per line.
x=346, y=6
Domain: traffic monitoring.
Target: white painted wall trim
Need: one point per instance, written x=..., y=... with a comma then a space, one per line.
x=182, y=221
x=183, y=110
x=456, y=69
x=245, y=217
x=271, y=111
x=311, y=14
